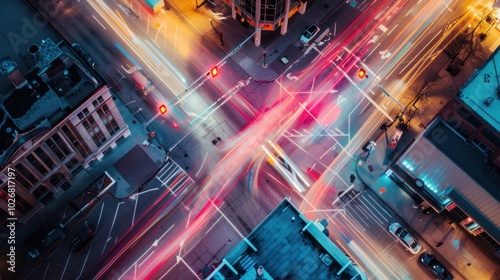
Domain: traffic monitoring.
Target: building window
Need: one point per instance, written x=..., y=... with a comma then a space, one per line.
x=61, y=144
x=94, y=131
x=40, y=191
x=485, y=149
x=57, y=179
x=44, y=158
x=490, y=136
x=52, y=146
x=21, y=181
x=466, y=115
x=74, y=141
x=98, y=101
x=72, y=164
x=108, y=120
x=22, y=206
x=85, y=112
x=460, y=129
x=36, y=163
x=24, y=176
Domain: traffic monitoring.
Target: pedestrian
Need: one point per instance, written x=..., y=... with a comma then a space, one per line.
x=439, y=244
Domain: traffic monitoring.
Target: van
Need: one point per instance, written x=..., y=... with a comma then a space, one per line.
x=142, y=82
x=139, y=79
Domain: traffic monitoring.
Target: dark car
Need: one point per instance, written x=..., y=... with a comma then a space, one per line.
x=34, y=254
x=82, y=238
x=83, y=54
x=435, y=267
x=50, y=239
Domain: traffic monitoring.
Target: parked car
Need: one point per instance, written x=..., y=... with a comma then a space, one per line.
x=34, y=254
x=309, y=33
x=83, y=54
x=402, y=235
x=50, y=239
x=82, y=238
x=435, y=267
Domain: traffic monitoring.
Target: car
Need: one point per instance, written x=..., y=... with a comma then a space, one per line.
x=402, y=235
x=435, y=267
x=309, y=33
x=34, y=254
x=83, y=54
x=82, y=238
x=41, y=248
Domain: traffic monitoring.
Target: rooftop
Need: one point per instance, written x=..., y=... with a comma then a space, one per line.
x=56, y=80
x=441, y=159
x=482, y=91
x=288, y=246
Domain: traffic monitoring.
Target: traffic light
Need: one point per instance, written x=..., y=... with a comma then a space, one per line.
x=214, y=71
x=362, y=73
x=163, y=109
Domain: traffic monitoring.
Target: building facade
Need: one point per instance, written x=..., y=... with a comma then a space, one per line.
x=454, y=165
x=265, y=15
x=60, y=120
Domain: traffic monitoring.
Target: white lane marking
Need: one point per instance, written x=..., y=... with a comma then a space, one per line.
x=99, y=22
x=111, y=229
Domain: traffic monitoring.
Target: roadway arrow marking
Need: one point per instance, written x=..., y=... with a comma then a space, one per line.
x=385, y=54
x=290, y=77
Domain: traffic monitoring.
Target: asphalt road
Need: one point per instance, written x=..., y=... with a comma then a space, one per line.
x=180, y=241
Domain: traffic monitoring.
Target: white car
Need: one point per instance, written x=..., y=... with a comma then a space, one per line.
x=311, y=31
x=402, y=235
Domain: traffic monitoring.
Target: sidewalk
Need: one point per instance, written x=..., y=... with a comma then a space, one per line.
x=250, y=57
x=57, y=210
x=459, y=248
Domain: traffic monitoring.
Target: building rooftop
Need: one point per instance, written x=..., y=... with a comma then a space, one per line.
x=482, y=91
x=288, y=246
x=441, y=159
x=47, y=79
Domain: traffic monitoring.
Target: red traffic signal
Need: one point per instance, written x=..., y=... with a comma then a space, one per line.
x=214, y=71
x=362, y=73
x=163, y=109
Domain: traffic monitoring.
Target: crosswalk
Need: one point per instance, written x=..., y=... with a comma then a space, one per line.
x=174, y=178
x=366, y=211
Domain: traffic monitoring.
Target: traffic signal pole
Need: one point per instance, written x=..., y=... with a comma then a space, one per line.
x=151, y=120
x=391, y=97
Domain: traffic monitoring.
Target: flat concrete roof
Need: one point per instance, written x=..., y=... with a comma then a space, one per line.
x=443, y=160
x=288, y=246
x=481, y=92
x=57, y=80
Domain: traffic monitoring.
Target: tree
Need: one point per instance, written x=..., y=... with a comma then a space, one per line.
x=467, y=46
x=420, y=91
